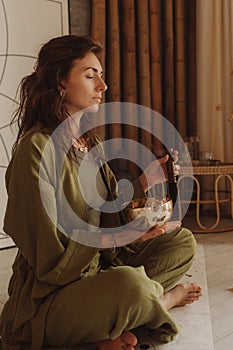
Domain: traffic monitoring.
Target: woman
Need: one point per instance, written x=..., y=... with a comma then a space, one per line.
x=65, y=294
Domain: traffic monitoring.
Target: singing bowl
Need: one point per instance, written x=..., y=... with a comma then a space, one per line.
x=146, y=213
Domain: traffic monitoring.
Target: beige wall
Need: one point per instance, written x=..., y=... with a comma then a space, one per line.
x=21, y=38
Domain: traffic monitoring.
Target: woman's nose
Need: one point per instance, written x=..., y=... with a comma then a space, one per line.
x=102, y=85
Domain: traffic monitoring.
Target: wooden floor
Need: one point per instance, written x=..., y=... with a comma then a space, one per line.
x=218, y=249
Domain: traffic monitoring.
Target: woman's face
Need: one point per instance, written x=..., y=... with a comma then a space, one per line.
x=84, y=85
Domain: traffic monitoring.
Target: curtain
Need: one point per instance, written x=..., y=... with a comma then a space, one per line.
x=215, y=77
x=149, y=60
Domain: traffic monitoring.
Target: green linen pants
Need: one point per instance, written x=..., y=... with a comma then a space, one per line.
x=124, y=295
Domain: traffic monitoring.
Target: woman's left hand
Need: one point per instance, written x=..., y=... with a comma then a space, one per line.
x=152, y=233
x=126, y=237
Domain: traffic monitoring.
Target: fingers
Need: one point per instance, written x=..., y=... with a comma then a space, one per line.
x=164, y=159
x=152, y=233
x=159, y=231
x=172, y=225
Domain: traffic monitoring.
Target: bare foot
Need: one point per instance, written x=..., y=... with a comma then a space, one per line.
x=126, y=341
x=182, y=294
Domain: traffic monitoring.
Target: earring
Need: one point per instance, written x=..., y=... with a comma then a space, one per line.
x=62, y=93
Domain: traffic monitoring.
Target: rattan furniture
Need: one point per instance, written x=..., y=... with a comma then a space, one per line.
x=219, y=171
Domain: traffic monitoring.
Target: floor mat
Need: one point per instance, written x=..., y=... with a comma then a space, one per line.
x=195, y=319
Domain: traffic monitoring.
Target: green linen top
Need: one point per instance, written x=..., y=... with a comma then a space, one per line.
x=47, y=259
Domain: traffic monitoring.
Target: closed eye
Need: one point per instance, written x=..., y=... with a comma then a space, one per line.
x=93, y=70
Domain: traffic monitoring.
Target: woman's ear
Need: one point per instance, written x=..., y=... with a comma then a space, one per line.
x=61, y=89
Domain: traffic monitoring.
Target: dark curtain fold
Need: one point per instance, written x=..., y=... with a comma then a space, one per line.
x=149, y=60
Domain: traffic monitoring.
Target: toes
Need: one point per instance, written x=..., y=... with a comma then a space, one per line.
x=127, y=347
x=196, y=287
x=191, y=300
x=192, y=297
x=129, y=339
x=193, y=294
x=195, y=291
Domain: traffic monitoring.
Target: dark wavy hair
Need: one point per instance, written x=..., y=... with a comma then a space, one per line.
x=41, y=102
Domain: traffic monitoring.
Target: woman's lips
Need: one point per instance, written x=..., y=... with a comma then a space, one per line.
x=98, y=99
